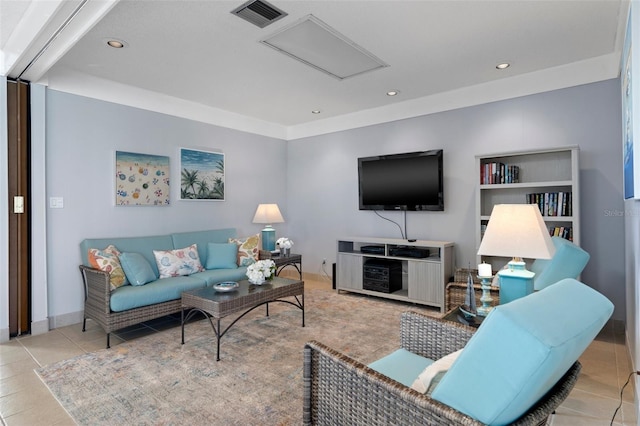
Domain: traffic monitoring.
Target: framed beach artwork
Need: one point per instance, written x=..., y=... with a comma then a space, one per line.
x=201, y=175
x=141, y=179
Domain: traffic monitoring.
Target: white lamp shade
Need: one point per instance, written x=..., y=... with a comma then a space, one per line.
x=268, y=213
x=517, y=230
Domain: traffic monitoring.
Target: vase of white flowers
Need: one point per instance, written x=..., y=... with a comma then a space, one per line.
x=260, y=271
x=285, y=245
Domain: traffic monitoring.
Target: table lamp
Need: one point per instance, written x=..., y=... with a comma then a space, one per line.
x=268, y=214
x=517, y=231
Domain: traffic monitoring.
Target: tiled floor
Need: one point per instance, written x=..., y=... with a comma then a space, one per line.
x=24, y=400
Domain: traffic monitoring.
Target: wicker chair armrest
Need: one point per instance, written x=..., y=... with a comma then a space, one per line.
x=432, y=337
x=97, y=289
x=341, y=390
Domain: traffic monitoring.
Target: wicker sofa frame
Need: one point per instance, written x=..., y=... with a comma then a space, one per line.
x=97, y=291
x=341, y=390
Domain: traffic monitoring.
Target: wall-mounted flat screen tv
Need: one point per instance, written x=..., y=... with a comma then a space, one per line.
x=410, y=181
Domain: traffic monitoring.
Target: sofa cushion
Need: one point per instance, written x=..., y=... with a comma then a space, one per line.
x=521, y=350
x=248, y=249
x=158, y=291
x=107, y=260
x=174, y=263
x=202, y=239
x=142, y=245
x=222, y=256
x=137, y=269
x=402, y=366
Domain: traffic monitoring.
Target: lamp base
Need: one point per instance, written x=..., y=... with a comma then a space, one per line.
x=515, y=282
x=268, y=235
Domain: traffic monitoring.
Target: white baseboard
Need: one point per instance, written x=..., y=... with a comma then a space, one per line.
x=66, y=319
x=4, y=335
x=39, y=327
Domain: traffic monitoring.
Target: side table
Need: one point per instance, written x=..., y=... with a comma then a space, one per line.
x=282, y=262
x=455, y=315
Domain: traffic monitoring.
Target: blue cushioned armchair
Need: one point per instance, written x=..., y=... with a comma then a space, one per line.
x=512, y=370
x=568, y=262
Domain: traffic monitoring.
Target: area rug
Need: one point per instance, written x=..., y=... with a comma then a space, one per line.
x=154, y=380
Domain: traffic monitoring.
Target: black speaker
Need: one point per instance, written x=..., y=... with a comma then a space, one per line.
x=333, y=275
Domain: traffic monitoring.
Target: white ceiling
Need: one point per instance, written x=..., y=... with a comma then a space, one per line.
x=209, y=63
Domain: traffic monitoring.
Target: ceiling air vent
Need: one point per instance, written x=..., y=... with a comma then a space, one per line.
x=259, y=13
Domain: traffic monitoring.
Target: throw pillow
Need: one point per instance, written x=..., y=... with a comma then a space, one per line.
x=107, y=260
x=430, y=377
x=137, y=268
x=222, y=256
x=173, y=263
x=248, y=249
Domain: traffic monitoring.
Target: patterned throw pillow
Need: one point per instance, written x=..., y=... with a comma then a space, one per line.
x=107, y=260
x=174, y=263
x=248, y=249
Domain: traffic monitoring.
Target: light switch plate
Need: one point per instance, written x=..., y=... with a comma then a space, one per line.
x=18, y=204
x=56, y=202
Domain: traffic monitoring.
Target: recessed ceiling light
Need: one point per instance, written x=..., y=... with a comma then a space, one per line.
x=503, y=66
x=316, y=111
x=115, y=43
x=393, y=92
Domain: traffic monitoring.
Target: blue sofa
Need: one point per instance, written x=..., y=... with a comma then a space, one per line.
x=129, y=304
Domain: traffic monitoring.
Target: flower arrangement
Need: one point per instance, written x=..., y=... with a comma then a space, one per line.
x=260, y=271
x=284, y=243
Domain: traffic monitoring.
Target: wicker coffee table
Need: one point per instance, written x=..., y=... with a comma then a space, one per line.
x=247, y=297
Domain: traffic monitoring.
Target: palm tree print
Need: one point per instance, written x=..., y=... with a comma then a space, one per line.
x=202, y=176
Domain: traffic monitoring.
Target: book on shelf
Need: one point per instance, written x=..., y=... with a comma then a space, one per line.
x=565, y=232
x=496, y=173
x=552, y=203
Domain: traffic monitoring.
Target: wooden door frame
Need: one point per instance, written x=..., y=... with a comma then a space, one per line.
x=19, y=178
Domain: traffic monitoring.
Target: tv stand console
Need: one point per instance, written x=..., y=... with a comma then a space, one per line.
x=426, y=268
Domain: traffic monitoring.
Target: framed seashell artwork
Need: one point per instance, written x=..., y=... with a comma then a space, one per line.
x=141, y=179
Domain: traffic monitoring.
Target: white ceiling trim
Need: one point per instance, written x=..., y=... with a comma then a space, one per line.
x=70, y=81
x=90, y=14
x=583, y=72
x=35, y=18
x=589, y=71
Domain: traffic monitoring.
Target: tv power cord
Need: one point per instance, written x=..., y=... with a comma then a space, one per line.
x=621, y=392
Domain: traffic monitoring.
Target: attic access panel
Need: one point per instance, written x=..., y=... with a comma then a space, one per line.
x=316, y=44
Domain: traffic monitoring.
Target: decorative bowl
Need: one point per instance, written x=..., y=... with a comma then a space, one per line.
x=226, y=286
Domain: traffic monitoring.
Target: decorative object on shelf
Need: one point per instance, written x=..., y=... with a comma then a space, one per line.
x=285, y=245
x=261, y=271
x=470, y=297
x=202, y=175
x=517, y=231
x=141, y=179
x=268, y=214
x=226, y=286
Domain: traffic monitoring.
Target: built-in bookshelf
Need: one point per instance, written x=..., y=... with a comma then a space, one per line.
x=548, y=178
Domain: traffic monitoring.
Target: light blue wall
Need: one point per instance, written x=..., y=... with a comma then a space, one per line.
x=322, y=186
x=81, y=139
x=314, y=180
